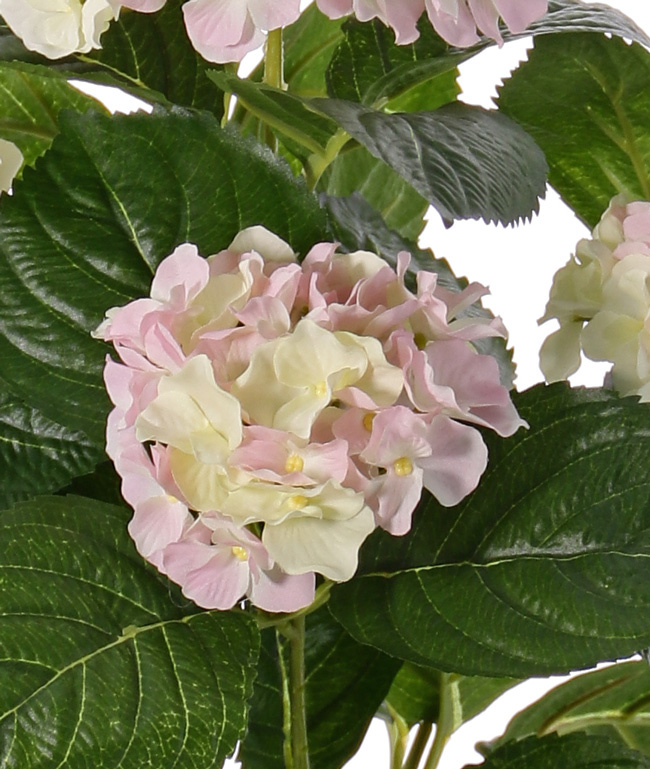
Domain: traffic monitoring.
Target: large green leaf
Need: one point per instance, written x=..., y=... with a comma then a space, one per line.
x=357, y=226
x=616, y=698
x=368, y=67
x=466, y=161
x=153, y=51
x=544, y=568
x=415, y=694
x=577, y=751
x=102, y=666
x=345, y=684
x=583, y=97
x=36, y=454
x=31, y=98
x=86, y=229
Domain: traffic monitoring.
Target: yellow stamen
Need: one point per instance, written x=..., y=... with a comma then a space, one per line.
x=403, y=466
x=298, y=501
x=240, y=553
x=294, y=464
x=320, y=389
x=172, y=499
x=368, y=419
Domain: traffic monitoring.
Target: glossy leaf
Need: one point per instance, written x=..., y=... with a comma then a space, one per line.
x=544, y=568
x=345, y=684
x=31, y=98
x=152, y=51
x=37, y=455
x=415, y=694
x=578, y=751
x=85, y=231
x=583, y=98
x=466, y=161
x=358, y=226
x=370, y=68
x=101, y=664
x=616, y=698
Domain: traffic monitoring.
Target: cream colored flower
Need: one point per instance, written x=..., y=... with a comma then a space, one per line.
x=11, y=160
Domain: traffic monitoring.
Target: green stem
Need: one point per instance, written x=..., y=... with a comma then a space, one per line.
x=299, y=745
x=398, y=733
x=274, y=59
x=448, y=720
x=419, y=744
x=317, y=163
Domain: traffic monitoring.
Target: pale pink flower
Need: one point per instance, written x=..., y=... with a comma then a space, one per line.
x=456, y=21
x=226, y=30
x=268, y=415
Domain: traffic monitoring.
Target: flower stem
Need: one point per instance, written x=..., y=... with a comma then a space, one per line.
x=448, y=719
x=274, y=59
x=297, y=704
x=419, y=744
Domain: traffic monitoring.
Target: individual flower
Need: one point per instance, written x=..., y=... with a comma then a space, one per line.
x=457, y=21
x=57, y=28
x=269, y=414
x=601, y=299
x=226, y=30
x=11, y=161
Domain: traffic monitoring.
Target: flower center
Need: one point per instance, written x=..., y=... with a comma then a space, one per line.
x=320, y=389
x=297, y=502
x=240, y=553
x=403, y=466
x=294, y=464
x=368, y=419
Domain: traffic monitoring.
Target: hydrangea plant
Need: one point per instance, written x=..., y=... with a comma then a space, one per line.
x=263, y=471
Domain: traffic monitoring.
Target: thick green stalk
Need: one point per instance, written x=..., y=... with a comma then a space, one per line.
x=299, y=744
x=274, y=59
x=449, y=719
x=419, y=744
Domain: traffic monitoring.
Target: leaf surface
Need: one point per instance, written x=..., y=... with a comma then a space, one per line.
x=583, y=98
x=466, y=161
x=102, y=665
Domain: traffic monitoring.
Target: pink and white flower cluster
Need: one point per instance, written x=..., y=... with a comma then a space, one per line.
x=456, y=21
x=270, y=414
x=601, y=299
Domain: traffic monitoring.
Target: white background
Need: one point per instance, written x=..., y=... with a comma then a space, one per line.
x=517, y=264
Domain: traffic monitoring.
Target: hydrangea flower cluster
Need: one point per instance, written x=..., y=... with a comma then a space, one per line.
x=601, y=299
x=270, y=414
x=456, y=21
x=226, y=30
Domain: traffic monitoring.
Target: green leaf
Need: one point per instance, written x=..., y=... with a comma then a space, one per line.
x=616, y=698
x=85, y=231
x=282, y=111
x=356, y=170
x=578, y=751
x=36, y=454
x=308, y=48
x=102, y=484
x=345, y=684
x=31, y=98
x=466, y=161
x=544, y=568
x=368, y=67
x=153, y=51
x=101, y=665
x=583, y=97
x=415, y=694
x=358, y=226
